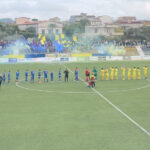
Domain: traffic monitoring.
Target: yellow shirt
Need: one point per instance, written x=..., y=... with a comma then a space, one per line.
x=102, y=72
x=123, y=70
x=129, y=71
x=145, y=70
x=134, y=71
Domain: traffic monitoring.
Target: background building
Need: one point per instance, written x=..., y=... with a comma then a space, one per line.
x=82, y=16
x=106, y=19
x=21, y=20
x=51, y=26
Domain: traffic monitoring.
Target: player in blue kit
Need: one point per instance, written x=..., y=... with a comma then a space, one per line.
x=52, y=76
x=4, y=77
x=39, y=76
x=32, y=76
x=17, y=75
x=76, y=72
x=9, y=77
x=45, y=75
x=59, y=74
x=26, y=76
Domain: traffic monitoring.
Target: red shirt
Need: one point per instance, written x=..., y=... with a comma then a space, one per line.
x=87, y=71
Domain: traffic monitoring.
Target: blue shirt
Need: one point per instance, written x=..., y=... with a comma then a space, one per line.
x=39, y=74
x=4, y=75
x=59, y=73
x=9, y=75
x=45, y=74
x=26, y=73
x=17, y=74
x=32, y=74
x=52, y=74
x=76, y=72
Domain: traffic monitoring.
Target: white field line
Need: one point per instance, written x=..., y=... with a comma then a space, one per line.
x=135, y=89
x=47, y=91
x=114, y=106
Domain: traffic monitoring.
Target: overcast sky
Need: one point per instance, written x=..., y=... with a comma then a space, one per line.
x=45, y=9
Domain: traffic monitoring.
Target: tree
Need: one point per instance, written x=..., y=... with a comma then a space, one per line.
x=79, y=27
x=28, y=33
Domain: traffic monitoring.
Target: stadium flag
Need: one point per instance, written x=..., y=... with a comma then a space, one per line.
x=63, y=42
x=42, y=42
x=75, y=38
x=44, y=38
x=62, y=36
x=56, y=37
x=40, y=35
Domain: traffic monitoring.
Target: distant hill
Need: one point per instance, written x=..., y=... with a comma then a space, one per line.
x=6, y=20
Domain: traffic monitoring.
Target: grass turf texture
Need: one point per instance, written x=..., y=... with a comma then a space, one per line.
x=33, y=120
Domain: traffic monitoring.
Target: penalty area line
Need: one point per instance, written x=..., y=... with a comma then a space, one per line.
x=114, y=106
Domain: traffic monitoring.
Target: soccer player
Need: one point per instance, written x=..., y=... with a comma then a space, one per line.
x=134, y=73
x=17, y=75
x=93, y=80
x=87, y=74
x=102, y=73
x=138, y=73
x=32, y=76
x=9, y=77
x=52, y=76
x=26, y=76
x=45, y=76
x=39, y=76
x=145, y=72
x=4, y=77
x=112, y=73
x=95, y=72
x=116, y=73
x=59, y=74
x=76, y=72
x=129, y=73
x=1, y=80
x=66, y=72
x=123, y=73
x=107, y=74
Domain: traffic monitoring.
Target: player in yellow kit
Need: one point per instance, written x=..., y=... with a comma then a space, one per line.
x=134, y=74
x=138, y=73
x=123, y=73
x=145, y=72
x=102, y=72
x=116, y=73
x=107, y=74
x=112, y=73
x=129, y=73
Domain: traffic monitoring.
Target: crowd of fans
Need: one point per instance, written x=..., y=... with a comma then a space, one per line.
x=35, y=46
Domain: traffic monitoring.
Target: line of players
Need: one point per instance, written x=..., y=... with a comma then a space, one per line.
x=105, y=74
x=112, y=74
x=40, y=73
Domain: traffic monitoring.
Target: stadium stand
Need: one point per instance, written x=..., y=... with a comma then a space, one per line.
x=146, y=50
x=131, y=51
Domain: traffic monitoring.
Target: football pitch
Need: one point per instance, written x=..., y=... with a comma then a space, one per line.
x=115, y=115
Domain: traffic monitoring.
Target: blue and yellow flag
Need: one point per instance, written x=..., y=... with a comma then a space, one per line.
x=56, y=37
x=39, y=36
x=75, y=38
x=62, y=36
x=44, y=38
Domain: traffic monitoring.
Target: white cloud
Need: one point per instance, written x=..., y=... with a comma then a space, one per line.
x=45, y=9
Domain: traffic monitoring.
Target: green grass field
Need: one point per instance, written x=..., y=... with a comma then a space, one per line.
x=70, y=116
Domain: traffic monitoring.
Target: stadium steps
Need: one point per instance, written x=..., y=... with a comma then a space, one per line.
x=146, y=50
x=140, y=51
x=131, y=51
